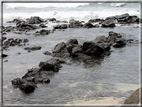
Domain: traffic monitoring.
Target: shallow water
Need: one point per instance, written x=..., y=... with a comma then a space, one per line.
x=114, y=76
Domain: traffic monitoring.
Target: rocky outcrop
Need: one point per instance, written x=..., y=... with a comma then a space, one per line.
x=72, y=49
x=13, y=42
x=124, y=19
x=29, y=81
x=108, y=23
x=35, y=20
x=114, y=39
x=22, y=26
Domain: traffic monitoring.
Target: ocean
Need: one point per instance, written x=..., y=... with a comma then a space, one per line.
x=109, y=80
x=67, y=11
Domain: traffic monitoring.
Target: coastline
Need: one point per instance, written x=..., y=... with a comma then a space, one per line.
x=62, y=27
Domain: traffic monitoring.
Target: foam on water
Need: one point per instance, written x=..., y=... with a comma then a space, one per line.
x=67, y=11
x=43, y=5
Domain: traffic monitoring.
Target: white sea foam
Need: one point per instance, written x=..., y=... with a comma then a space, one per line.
x=43, y=5
x=64, y=11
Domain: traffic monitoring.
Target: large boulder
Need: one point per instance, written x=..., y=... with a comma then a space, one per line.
x=52, y=64
x=75, y=24
x=88, y=25
x=120, y=42
x=72, y=41
x=59, y=47
x=108, y=23
x=100, y=39
x=113, y=37
x=92, y=49
x=23, y=85
x=35, y=20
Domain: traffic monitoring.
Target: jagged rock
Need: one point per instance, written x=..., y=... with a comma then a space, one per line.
x=100, y=39
x=52, y=64
x=92, y=49
x=72, y=41
x=23, y=85
x=113, y=37
x=22, y=26
x=120, y=42
x=59, y=47
x=108, y=23
x=35, y=20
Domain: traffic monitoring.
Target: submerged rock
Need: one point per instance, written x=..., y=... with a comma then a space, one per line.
x=33, y=48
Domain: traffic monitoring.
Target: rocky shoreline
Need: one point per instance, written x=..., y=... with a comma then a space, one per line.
x=99, y=47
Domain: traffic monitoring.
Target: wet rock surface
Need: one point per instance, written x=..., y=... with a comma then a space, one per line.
x=35, y=20
x=29, y=81
x=72, y=49
x=13, y=42
x=114, y=39
x=99, y=47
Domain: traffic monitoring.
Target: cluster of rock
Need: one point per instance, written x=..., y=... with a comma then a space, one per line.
x=13, y=42
x=100, y=46
x=114, y=39
x=29, y=81
x=118, y=19
x=108, y=22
